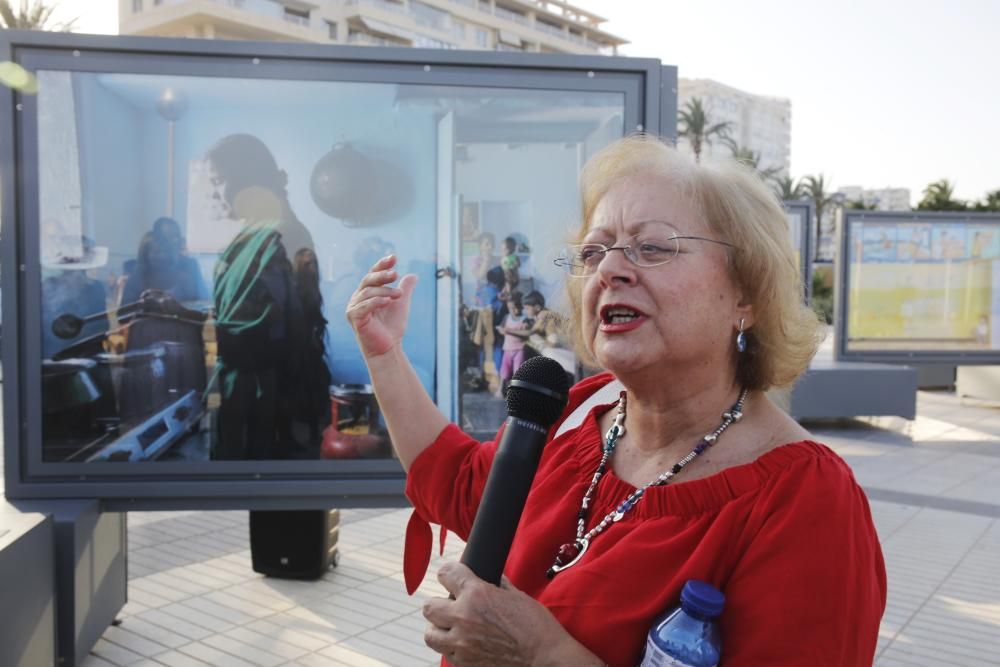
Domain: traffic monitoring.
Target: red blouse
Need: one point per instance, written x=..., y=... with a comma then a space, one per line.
x=788, y=538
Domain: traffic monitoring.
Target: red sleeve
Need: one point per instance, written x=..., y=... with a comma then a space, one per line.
x=446, y=481
x=810, y=587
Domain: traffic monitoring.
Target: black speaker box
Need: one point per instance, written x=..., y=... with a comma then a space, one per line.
x=294, y=544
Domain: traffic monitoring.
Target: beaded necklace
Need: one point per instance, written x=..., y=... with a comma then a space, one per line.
x=571, y=552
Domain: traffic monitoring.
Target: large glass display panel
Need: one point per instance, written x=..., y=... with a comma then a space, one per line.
x=199, y=238
x=923, y=285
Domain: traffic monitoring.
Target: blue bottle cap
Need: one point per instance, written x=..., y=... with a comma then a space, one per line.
x=702, y=598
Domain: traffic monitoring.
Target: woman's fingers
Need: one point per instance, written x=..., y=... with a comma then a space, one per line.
x=439, y=612
x=437, y=639
x=408, y=283
x=370, y=292
x=384, y=263
x=378, y=278
x=359, y=310
x=455, y=577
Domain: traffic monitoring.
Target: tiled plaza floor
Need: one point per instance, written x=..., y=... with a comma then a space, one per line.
x=934, y=485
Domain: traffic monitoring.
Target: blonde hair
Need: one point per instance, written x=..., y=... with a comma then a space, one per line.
x=742, y=211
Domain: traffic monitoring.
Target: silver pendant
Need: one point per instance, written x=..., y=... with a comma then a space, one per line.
x=584, y=543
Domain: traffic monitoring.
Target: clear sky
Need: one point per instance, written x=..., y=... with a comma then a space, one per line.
x=884, y=92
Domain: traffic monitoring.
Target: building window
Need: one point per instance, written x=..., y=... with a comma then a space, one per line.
x=331, y=29
x=299, y=16
x=425, y=15
x=136, y=5
x=482, y=38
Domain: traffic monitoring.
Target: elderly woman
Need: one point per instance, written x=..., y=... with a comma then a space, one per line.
x=684, y=288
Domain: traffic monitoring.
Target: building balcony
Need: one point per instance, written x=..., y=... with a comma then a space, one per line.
x=561, y=33
x=365, y=39
x=385, y=5
x=241, y=19
x=551, y=30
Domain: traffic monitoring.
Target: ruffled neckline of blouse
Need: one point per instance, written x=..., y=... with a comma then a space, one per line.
x=706, y=494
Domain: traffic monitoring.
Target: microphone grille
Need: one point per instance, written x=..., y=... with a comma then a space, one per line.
x=538, y=391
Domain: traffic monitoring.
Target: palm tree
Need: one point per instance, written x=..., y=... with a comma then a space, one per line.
x=694, y=125
x=940, y=196
x=814, y=187
x=751, y=158
x=787, y=187
x=32, y=15
x=991, y=202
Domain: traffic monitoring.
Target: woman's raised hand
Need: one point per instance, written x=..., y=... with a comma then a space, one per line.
x=378, y=312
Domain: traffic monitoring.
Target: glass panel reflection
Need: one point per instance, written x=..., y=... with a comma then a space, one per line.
x=200, y=238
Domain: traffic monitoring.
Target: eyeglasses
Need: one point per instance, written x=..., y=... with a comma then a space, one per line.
x=647, y=249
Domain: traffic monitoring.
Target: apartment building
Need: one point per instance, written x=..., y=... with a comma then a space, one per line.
x=541, y=26
x=761, y=123
x=883, y=199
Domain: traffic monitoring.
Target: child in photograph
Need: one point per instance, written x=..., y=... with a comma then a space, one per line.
x=543, y=332
x=509, y=261
x=513, y=344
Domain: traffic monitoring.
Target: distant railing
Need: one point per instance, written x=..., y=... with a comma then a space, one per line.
x=364, y=38
x=382, y=4
x=551, y=29
x=511, y=16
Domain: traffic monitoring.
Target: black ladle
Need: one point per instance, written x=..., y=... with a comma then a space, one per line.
x=69, y=325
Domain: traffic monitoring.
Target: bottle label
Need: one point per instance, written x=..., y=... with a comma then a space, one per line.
x=655, y=657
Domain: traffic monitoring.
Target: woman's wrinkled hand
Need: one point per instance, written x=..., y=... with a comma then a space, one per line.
x=486, y=626
x=378, y=312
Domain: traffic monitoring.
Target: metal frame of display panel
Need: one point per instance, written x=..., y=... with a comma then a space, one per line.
x=804, y=207
x=843, y=287
x=648, y=88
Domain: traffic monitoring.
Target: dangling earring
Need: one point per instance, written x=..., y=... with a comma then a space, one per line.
x=741, y=338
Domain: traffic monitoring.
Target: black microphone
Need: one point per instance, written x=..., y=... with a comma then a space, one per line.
x=535, y=399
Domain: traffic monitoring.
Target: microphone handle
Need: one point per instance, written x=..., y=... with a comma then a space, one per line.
x=506, y=490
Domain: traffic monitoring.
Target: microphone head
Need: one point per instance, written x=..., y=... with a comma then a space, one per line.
x=538, y=391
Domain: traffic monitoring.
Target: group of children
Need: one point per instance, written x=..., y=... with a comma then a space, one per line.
x=524, y=320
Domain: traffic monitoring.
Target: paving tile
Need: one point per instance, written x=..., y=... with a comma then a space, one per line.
x=210, y=607
x=186, y=612
x=240, y=649
x=317, y=660
x=147, y=600
x=361, y=657
x=303, y=621
x=154, y=632
x=175, y=624
x=96, y=661
x=415, y=648
x=307, y=642
x=115, y=654
x=214, y=656
x=133, y=641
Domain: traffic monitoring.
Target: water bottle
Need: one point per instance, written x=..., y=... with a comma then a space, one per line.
x=688, y=635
